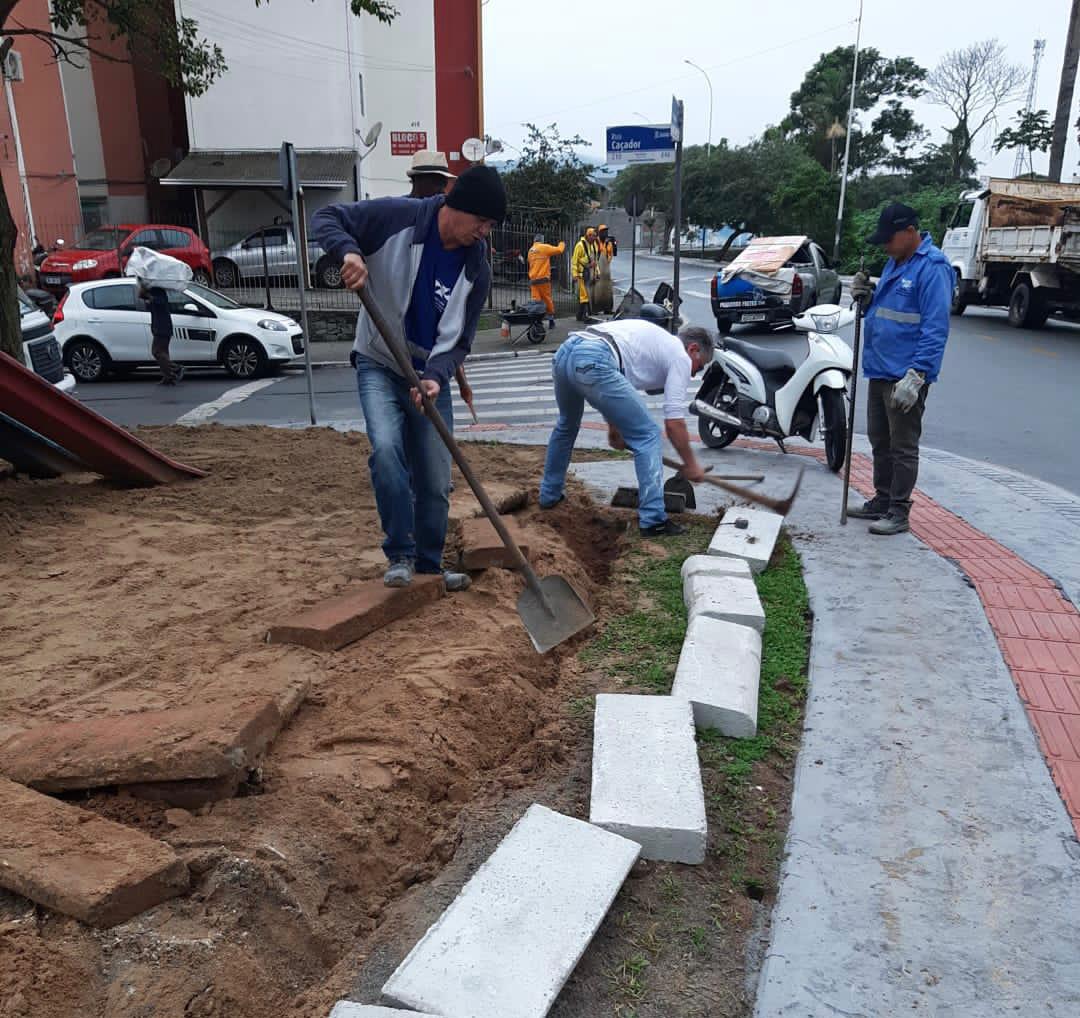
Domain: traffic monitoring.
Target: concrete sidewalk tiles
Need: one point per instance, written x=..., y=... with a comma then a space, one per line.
x=349, y=1009
x=749, y=534
x=1037, y=629
x=510, y=939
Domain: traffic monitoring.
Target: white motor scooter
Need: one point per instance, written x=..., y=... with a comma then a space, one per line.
x=751, y=390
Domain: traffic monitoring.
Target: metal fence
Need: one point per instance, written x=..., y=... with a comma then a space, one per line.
x=258, y=267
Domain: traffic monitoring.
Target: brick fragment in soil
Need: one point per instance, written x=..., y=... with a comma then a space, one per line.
x=72, y=861
x=208, y=741
x=351, y=616
x=482, y=548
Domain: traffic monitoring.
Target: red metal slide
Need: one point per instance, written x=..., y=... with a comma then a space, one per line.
x=99, y=443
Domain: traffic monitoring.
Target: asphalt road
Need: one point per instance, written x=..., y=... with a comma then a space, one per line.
x=1006, y=396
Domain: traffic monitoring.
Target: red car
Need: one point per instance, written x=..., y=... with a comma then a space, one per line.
x=104, y=252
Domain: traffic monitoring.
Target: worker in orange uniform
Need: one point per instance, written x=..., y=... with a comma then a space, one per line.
x=583, y=269
x=608, y=244
x=540, y=255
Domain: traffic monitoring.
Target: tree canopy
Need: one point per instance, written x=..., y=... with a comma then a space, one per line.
x=550, y=180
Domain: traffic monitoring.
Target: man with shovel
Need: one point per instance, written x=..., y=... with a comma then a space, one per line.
x=426, y=263
x=605, y=366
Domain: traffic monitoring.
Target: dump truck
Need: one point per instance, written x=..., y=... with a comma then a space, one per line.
x=1016, y=244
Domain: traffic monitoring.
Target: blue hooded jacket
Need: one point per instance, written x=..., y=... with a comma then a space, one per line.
x=389, y=233
x=907, y=323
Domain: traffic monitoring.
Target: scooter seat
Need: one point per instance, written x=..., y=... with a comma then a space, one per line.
x=766, y=360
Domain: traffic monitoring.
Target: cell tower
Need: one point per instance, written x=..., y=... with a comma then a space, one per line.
x=1029, y=103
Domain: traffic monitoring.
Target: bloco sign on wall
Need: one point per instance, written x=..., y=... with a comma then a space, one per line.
x=640, y=143
x=405, y=143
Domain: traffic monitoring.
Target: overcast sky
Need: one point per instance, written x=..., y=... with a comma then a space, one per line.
x=589, y=64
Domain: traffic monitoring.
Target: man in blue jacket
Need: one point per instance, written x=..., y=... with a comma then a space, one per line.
x=425, y=263
x=904, y=331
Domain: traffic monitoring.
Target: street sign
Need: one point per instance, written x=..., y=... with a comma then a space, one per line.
x=287, y=167
x=640, y=143
x=676, y=119
x=634, y=205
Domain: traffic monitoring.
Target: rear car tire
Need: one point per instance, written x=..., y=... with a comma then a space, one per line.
x=1027, y=308
x=723, y=325
x=201, y=276
x=87, y=360
x=226, y=274
x=328, y=274
x=243, y=357
x=835, y=427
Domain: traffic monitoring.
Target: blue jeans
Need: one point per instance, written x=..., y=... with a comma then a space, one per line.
x=586, y=371
x=410, y=466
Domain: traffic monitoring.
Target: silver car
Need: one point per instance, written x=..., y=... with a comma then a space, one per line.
x=244, y=262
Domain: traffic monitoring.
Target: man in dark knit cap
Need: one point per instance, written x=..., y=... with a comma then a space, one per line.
x=425, y=263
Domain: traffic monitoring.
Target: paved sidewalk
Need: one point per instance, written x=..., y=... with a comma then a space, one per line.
x=931, y=864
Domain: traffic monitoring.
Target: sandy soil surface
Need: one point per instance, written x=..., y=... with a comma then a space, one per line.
x=114, y=601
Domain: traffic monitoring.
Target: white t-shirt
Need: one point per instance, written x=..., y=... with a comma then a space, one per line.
x=653, y=360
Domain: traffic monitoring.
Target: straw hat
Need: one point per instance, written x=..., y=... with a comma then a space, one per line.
x=428, y=162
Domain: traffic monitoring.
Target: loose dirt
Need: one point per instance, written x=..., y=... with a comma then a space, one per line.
x=114, y=601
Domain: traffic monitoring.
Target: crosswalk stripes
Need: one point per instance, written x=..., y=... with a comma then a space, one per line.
x=522, y=391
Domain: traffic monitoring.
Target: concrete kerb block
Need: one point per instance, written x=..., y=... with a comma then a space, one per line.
x=729, y=598
x=510, y=939
x=752, y=541
x=350, y=1009
x=714, y=565
x=719, y=672
x=646, y=780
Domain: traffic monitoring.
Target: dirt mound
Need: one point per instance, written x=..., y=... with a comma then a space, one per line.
x=116, y=601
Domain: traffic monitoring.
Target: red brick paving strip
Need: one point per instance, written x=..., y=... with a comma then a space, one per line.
x=342, y=620
x=1037, y=629
x=75, y=862
x=210, y=740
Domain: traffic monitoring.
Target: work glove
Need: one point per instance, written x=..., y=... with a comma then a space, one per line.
x=861, y=288
x=905, y=393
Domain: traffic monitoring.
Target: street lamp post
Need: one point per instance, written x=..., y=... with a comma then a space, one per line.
x=847, y=140
x=708, y=80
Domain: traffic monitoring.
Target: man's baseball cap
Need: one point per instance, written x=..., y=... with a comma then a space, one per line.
x=428, y=162
x=893, y=219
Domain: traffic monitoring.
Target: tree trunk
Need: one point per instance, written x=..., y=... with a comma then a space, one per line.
x=10, y=329
x=1063, y=116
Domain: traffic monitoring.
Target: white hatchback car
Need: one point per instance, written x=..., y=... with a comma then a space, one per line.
x=104, y=327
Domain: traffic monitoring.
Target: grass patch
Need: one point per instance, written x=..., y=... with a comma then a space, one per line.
x=686, y=926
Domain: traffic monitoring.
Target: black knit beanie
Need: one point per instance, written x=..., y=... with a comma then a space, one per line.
x=479, y=190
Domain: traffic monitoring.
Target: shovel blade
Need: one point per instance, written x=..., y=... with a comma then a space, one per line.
x=568, y=614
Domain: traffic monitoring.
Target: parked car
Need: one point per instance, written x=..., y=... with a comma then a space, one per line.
x=772, y=281
x=243, y=261
x=41, y=351
x=104, y=327
x=104, y=252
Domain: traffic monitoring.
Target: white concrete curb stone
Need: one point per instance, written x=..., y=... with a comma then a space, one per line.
x=719, y=671
x=510, y=939
x=730, y=598
x=646, y=780
x=754, y=544
x=713, y=565
x=350, y=1009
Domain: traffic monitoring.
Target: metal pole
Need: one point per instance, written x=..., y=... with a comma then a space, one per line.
x=708, y=81
x=850, y=437
x=300, y=238
x=633, y=251
x=266, y=271
x=847, y=140
x=678, y=225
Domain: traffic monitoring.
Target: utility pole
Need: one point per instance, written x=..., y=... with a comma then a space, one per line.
x=1065, y=93
x=708, y=81
x=847, y=140
x=1029, y=103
